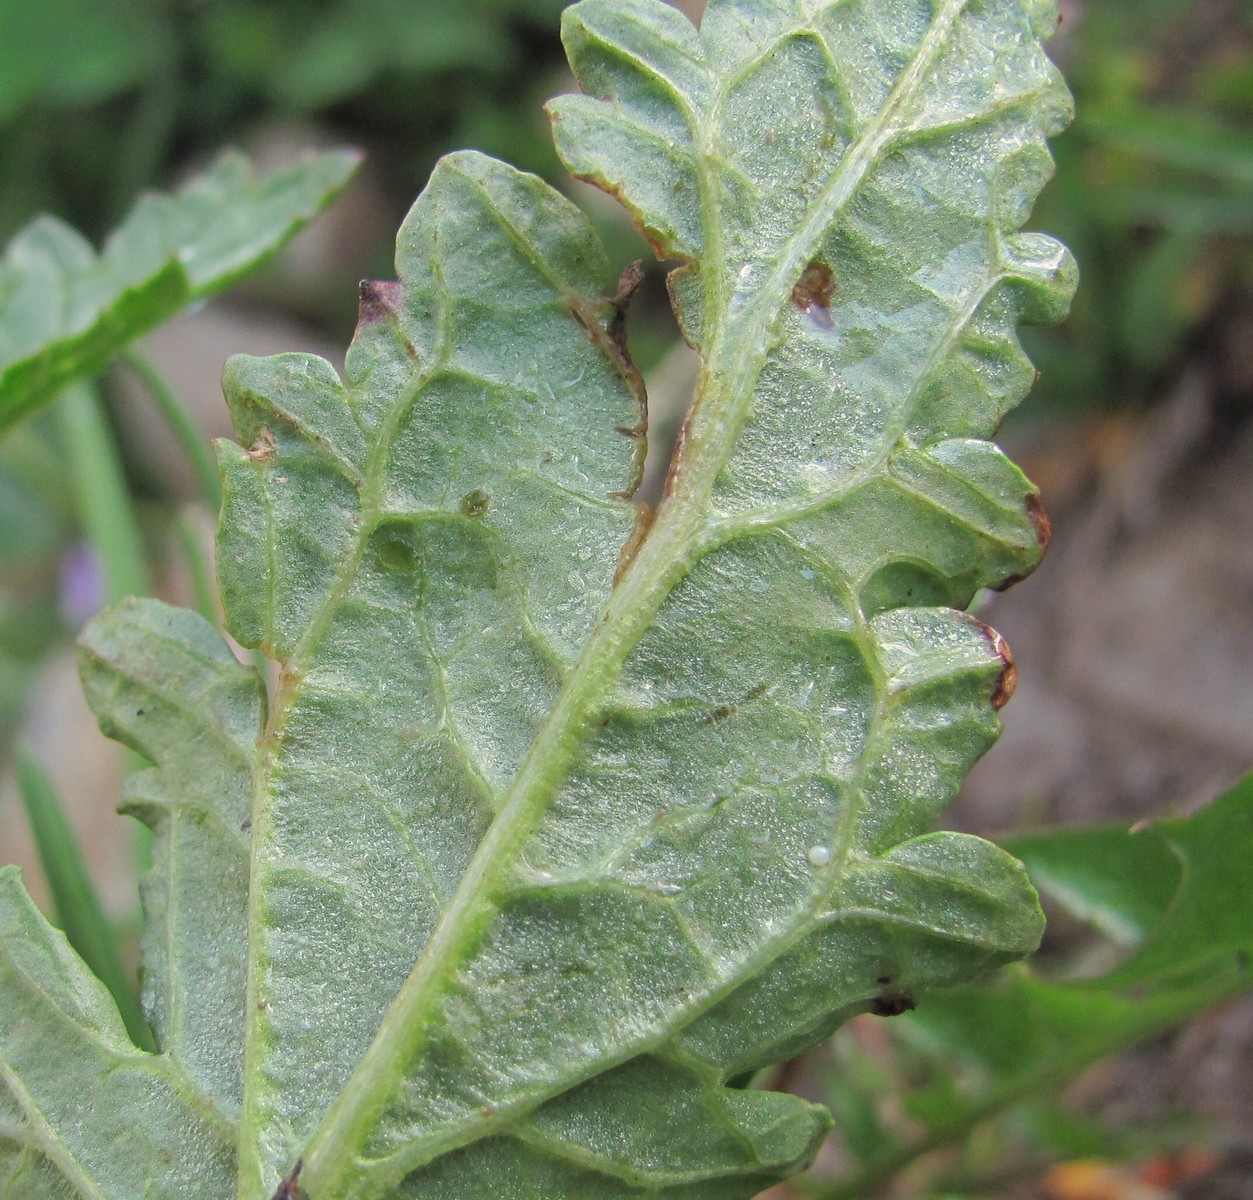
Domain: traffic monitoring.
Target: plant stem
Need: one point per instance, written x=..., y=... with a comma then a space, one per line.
x=78, y=906
x=190, y=439
x=103, y=502
x=199, y=573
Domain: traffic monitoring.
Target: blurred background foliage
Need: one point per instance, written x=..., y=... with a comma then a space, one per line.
x=1154, y=190
x=102, y=99
x=99, y=101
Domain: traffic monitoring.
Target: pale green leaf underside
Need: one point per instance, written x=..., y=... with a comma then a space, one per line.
x=639, y=839
x=164, y=684
x=83, y=1113
x=66, y=311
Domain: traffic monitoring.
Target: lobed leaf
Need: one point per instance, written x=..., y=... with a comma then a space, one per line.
x=162, y=682
x=565, y=815
x=66, y=311
x=82, y=1111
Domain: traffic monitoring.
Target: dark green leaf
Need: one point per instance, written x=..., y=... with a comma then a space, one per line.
x=66, y=311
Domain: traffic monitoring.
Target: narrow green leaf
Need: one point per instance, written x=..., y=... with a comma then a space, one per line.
x=1172, y=883
x=65, y=311
x=1191, y=210
x=190, y=439
x=105, y=507
x=1202, y=922
x=564, y=817
x=71, y=52
x=1178, y=139
x=199, y=568
x=1121, y=882
x=78, y=906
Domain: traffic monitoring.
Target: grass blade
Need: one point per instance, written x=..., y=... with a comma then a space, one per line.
x=78, y=906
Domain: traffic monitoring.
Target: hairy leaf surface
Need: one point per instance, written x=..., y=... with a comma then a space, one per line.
x=82, y=1111
x=565, y=816
x=66, y=311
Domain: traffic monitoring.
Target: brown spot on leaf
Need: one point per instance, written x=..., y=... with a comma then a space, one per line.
x=378, y=300
x=628, y=284
x=474, y=504
x=644, y=513
x=676, y=456
x=1007, y=681
x=673, y=282
x=1039, y=520
x=813, y=291
x=263, y=448
x=1044, y=535
x=610, y=339
x=289, y=1189
x=892, y=1004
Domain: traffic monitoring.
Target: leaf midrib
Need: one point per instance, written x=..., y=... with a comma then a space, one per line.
x=680, y=536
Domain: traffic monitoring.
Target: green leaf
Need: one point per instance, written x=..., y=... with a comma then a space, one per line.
x=1181, y=139
x=366, y=49
x=35, y=532
x=65, y=311
x=71, y=52
x=566, y=816
x=82, y=1111
x=162, y=682
x=1169, y=884
x=1119, y=881
x=106, y=510
x=1165, y=891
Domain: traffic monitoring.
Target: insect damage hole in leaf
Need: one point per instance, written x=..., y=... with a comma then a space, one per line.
x=459, y=953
